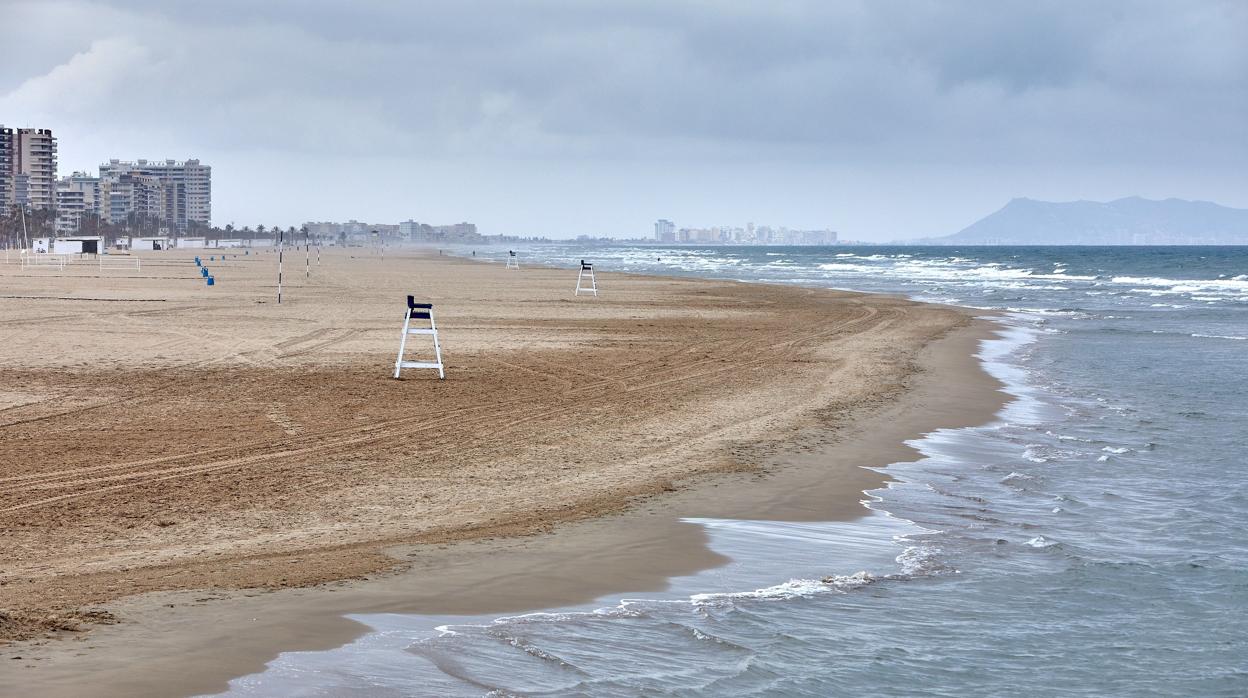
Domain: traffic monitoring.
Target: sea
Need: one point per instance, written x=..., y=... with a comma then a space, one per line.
x=1092, y=540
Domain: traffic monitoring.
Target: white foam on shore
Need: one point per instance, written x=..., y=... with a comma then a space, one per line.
x=1219, y=336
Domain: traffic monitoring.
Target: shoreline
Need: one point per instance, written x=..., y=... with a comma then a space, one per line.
x=818, y=474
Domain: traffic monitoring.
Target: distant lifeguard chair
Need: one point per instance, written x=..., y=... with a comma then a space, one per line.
x=513, y=262
x=419, y=311
x=587, y=269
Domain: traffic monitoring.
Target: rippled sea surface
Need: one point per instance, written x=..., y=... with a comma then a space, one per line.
x=1092, y=541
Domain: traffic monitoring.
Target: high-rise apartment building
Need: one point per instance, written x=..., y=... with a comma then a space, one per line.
x=134, y=199
x=76, y=195
x=664, y=230
x=27, y=167
x=34, y=155
x=183, y=190
x=7, y=196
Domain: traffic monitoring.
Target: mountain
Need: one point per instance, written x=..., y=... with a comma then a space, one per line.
x=1129, y=221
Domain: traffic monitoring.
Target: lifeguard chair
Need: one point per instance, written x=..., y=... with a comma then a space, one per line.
x=587, y=270
x=419, y=311
x=513, y=262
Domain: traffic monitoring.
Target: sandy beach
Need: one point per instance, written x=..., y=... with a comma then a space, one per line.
x=187, y=468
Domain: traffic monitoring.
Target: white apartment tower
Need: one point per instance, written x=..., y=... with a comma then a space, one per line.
x=664, y=230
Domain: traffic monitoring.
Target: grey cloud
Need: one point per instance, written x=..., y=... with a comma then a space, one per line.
x=1153, y=91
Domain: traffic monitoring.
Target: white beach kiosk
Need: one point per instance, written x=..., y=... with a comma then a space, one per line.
x=78, y=244
x=149, y=243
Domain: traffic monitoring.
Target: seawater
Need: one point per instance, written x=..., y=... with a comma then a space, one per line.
x=1090, y=541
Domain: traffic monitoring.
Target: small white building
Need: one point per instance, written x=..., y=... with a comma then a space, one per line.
x=228, y=242
x=149, y=243
x=41, y=245
x=192, y=243
x=78, y=244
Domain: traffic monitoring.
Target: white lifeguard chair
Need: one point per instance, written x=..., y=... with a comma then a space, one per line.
x=513, y=262
x=587, y=269
x=419, y=311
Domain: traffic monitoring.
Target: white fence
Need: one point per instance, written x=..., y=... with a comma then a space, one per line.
x=119, y=261
x=45, y=260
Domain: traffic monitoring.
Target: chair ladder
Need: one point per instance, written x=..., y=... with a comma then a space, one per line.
x=593, y=281
x=419, y=311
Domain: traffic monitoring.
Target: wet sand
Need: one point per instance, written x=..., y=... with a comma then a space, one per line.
x=610, y=419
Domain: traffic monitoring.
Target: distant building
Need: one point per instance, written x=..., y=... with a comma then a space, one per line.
x=69, y=208
x=7, y=195
x=411, y=231
x=323, y=229
x=355, y=232
x=133, y=198
x=458, y=231
x=27, y=167
x=664, y=230
x=76, y=196
x=749, y=235
x=812, y=237
x=180, y=191
x=35, y=151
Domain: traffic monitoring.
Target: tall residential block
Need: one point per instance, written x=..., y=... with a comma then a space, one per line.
x=76, y=195
x=664, y=230
x=28, y=165
x=176, y=193
x=6, y=170
x=35, y=157
x=134, y=199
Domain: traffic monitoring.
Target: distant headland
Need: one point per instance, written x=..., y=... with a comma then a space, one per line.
x=1129, y=221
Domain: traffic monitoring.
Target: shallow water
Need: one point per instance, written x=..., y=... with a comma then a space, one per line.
x=1089, y=542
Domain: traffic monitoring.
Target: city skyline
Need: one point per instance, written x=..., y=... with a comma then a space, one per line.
x=174, y=194
x=749, y=234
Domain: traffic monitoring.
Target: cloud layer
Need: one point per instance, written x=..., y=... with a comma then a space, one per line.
x=882, y=119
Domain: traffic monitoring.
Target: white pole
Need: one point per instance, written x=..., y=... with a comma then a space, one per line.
x=307, y=256
x=280, y=245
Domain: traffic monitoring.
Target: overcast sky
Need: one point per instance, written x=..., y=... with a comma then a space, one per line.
x=882, y=120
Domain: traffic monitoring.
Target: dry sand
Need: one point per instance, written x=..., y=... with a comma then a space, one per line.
x=157, y=435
